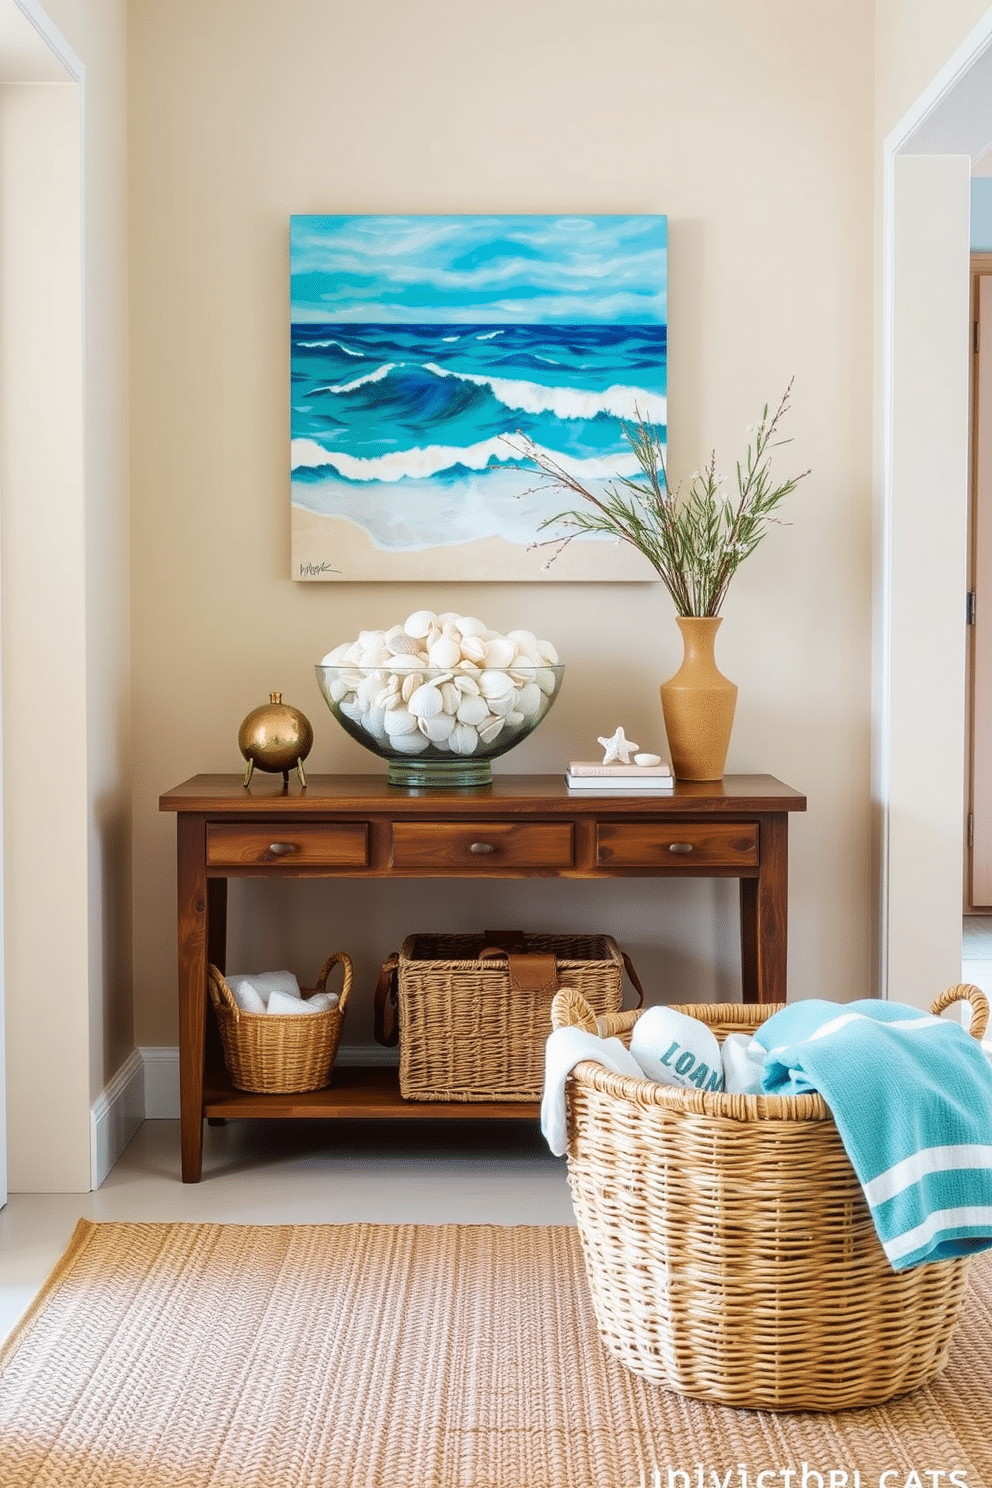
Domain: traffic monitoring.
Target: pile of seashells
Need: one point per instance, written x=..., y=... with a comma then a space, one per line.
x=444, y=680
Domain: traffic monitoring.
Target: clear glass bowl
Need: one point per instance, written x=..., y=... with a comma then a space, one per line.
x=434, y=727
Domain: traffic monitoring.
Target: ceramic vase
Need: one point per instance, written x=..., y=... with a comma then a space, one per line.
x=698, y=704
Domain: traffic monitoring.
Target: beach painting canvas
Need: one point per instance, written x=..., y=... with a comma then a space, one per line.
x=422, y=346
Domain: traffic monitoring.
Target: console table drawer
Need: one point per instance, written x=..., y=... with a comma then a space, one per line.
x=288, y=844
x=484, y=846
x=659, y=845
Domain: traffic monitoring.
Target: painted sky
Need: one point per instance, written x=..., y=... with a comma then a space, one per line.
x=480, y=270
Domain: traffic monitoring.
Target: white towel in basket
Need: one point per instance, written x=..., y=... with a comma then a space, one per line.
x=251, y=990
x=566, y=1048
x=743, y=1064
x=673, y=1048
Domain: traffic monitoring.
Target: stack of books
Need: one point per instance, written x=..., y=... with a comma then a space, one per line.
x=587, y=775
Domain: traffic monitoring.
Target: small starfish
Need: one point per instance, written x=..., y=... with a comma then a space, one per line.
x=618, y=749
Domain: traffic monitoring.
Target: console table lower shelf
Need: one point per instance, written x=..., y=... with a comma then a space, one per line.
x=353, y=1092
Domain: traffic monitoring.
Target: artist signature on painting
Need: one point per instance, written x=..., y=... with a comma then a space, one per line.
x=313, y=570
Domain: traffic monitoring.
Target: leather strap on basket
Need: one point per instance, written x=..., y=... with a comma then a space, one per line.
x=385, y=1024
x=532, y=973
x=634, y=978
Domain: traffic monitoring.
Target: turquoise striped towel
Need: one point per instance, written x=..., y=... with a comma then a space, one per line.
x=912, y=1098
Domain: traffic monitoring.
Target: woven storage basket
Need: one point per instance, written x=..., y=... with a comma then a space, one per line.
x=729, y=1250
x=280, y=1054
x=467, y=1033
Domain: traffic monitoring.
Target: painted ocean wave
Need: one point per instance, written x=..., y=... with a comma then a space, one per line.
x=416, y=464
x=425, y=422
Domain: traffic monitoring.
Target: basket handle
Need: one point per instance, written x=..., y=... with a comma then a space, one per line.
x=385, y=1022
x=220, y=993
x=344, y=960
x=634, y=978
x=966, y=992
x=569, y=1009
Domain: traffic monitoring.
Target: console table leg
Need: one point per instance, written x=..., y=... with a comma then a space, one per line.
x=764, y=917
x=192, y=936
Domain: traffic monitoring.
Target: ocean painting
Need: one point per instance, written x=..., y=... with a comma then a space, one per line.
x=422, y=346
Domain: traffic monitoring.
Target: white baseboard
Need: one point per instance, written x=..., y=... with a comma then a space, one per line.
x=146, y=1088
x=161, y=1083
x=115, y=1116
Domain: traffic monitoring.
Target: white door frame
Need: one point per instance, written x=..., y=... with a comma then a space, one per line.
x=922, y=525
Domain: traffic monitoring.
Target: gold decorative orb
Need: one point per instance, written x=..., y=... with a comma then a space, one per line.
x=275, y=738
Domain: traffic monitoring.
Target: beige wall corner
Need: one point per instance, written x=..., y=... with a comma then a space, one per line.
x=65, y=593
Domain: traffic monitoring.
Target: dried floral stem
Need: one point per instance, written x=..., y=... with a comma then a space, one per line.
x=694, y=541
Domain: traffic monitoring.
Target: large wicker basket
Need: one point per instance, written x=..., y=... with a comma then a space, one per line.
x=280, y=1054
x=472, y=1026
x=729, y=1250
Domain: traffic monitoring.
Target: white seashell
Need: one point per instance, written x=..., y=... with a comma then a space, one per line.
x=500, y=652
x=372, y=722
x=545, y=680
x=409, y=685
x=426, y=701
x=495, y=684
x=528, y=700
x=350, y=709
x=338, y=655
x=338, y=689
x=414, y=743
x=369, y=688
x=473, y=710
x=502, y=705
x=491, y=730
x=474, y=648
x=464, y=739
x=647, y=759
x=378, y=655
x=419, y=623
x=437, y=729
x=448, y=617
x=353, y=653
x=398, y=721
x=547, y=653
x=445, y=653
x=450, y=697
x=401, y=644
x=466, y=683
x=468, y=625
x=526, y=641
x=514, y=719
x=388, y=692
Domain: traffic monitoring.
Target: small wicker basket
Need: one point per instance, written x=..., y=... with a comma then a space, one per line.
x=474, y=1019
x=278, y=1054
x=729, y=1250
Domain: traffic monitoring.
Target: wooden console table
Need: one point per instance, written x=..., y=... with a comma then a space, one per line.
x=522, y=826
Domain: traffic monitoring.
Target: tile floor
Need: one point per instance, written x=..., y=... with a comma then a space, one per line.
x=274, y=1172
x=324, y=1173
x=976, y=951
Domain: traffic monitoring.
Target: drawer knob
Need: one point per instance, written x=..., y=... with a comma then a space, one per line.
x=279, y=849
x=481, y=847
x=680, y=847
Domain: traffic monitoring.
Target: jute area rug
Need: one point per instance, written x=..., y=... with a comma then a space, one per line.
x=347, y=1356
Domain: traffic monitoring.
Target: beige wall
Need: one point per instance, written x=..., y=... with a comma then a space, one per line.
x=914, y=38
x=751, y=126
